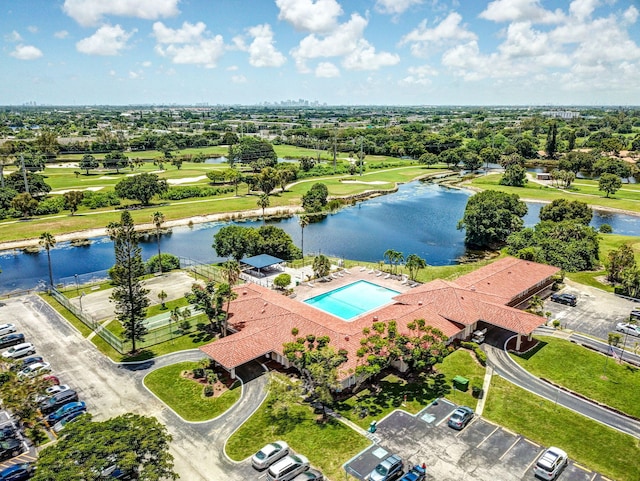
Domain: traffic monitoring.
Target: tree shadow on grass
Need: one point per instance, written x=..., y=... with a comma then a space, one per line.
x=141, y=355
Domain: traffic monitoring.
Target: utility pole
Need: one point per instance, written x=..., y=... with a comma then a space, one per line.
x=335, y=147
x=24, y=174
x=361, y=155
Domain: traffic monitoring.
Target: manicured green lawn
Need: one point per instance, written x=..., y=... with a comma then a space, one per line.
x=327, y=445
x=185, y=396
x=368, y=406
x=586, y=441
x=627, y=198
x=583, y=371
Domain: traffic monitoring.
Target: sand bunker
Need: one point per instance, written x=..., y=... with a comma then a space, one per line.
x=373, y=182
x=186, y=180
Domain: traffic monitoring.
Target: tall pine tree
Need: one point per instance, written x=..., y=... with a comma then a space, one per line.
x=552, y=142
x=129, y=294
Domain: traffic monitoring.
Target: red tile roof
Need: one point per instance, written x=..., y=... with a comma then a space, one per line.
x=264, y=318
x=507, y=278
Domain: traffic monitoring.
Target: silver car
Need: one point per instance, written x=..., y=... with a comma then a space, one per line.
x=269, y=454
x=628, y=328
x=549, y=465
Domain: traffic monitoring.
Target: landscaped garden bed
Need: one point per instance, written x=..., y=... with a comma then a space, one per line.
x=193, y=398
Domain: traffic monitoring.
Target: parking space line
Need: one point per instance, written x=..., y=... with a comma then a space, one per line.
x=488, y=436
x=510, y=448
x=531, y=442
x=531, y=463
x=586, y=470
x=446, y=418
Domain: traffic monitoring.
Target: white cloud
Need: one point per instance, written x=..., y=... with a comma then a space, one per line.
x=107, y=40
x=32, y=29
x=146, y=64
x=262, y=52
x=189, y=33
x=238, y=79
x=13, y=37
x=340, y=42
x=190, y=44
x=136, y=75
x=364, y=57
x=582, y=9
x=26, y=52
x=91, y=12
x=346, y=41
x=232, y=68
x=448, y=31
x=520, y=10
x=206, y=52
x=395, y=7
x=61, y=34
x=317, y=16
x=630, y=15
x=419, y=75
x=327, y=70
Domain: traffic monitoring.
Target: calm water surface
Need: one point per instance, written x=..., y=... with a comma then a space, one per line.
x=419, y=219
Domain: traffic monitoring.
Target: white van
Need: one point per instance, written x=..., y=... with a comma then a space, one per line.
x=288, y=468
x=19, y=350
x=7, y=329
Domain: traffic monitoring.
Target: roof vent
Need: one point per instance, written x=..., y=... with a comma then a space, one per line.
x=265, y=304
x=244, y=293
x=419, y=303
x=375, y=318
x=346, y=338
x=473, y=288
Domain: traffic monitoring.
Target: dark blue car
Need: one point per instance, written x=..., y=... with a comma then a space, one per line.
x=17, y=472
x=77, y=406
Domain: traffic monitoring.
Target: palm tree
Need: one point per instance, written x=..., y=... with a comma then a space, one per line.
x=414, y=263
x=158, y=219
x=303, y=220
x=47, y=240
x=231, y=271
x=263, y=202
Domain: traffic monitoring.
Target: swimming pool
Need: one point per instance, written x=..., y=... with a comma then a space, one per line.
x=353, y=299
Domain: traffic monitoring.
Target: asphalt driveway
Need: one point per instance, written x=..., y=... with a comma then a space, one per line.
x=111, y=390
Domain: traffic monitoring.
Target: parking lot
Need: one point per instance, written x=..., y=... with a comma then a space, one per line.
x=596, y=313
x=482, y=451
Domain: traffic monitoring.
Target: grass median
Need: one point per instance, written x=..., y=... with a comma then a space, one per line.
x=588, y=442
x=185, y=396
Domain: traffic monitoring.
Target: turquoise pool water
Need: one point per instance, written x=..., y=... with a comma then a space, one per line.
x=353, y=299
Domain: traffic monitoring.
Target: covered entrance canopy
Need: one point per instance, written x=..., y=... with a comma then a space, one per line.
x=260, y=262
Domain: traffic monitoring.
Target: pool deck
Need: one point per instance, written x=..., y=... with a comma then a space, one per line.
x=304, y=291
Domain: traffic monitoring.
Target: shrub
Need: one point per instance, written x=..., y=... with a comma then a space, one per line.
x=198, y=373
x=169, y=262
x=51, y=205
x=208, y=390
x=479, y=353
x=606, y=229
x=556, y=323
x=97, y=200
x=212, y=377
x=282, y=281
x=185, y=325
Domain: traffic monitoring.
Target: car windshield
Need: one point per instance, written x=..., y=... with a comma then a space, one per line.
x=382, y=470
x=261, y=455
x=457, y=416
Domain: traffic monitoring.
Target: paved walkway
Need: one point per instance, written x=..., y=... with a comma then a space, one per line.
x=510, y=370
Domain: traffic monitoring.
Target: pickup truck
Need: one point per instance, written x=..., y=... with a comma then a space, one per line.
x=417, y=473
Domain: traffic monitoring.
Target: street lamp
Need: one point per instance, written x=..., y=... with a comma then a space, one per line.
x=77, y=287
x=81, y=296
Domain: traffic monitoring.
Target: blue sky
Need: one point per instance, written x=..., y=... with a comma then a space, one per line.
x=338, y=52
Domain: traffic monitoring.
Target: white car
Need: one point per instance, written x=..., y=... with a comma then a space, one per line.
x=628, y=328
x=550, y=463
x=19, y=350
x=269, y=454
x=7, y=329
x=35, y=369
x=56, y=388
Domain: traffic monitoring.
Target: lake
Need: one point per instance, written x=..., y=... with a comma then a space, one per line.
x=420, y=218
